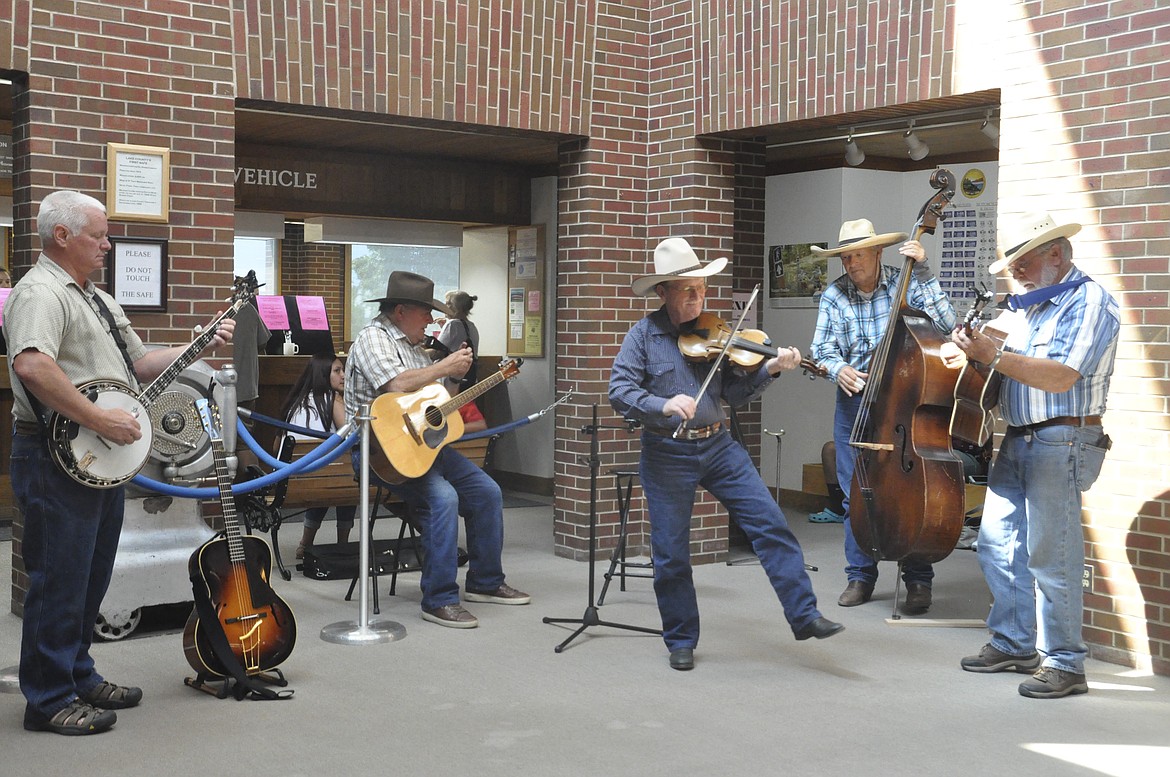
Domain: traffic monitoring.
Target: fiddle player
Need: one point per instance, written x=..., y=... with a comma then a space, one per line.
x=853, y=315
x=1055, y=366
x=653, y=383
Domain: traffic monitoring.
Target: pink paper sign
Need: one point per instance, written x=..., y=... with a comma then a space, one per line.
x=3, y=298
x=272, y=311
x=312, y=312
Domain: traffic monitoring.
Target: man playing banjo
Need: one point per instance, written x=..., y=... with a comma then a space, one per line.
x=64, y=332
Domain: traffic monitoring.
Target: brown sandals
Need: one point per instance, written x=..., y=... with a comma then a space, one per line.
x=108, y=696
x=76, y=719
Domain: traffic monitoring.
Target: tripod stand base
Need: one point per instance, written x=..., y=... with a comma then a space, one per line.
x=590, y=618
x=351, y=633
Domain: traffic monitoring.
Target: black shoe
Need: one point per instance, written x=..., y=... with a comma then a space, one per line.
x=108, y=696
x=821, y=628
x=682, y=659
x=1052, y=683
x=917, y=599
x=857, y=592
x=77, y=719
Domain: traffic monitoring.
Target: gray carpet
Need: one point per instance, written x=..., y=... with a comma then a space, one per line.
x=878, y=699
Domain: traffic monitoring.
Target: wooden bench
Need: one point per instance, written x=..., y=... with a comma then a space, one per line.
x=336, y=484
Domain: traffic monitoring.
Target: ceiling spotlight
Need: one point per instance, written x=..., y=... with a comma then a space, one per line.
x=853, y=153
x=990, y=130
x=917, y=149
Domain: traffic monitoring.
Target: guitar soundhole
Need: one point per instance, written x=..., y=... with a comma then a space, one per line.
x=434, y=417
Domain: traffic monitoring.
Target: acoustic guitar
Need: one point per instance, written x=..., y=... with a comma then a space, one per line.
x=235, y=568
x=411, y=428
x=977, y=389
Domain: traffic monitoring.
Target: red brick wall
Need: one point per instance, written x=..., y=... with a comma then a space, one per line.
x=315, y=270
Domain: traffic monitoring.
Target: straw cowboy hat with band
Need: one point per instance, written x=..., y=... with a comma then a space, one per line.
x=860, y=234
x=674, y=259
x=1022, y=234
x=408, y=287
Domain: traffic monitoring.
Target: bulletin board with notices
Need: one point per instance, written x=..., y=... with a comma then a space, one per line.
x=966, y=237
x=526, y=303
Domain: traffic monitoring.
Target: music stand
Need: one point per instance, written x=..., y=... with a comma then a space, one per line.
x=591, y=618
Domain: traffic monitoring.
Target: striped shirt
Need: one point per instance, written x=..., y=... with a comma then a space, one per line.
x=49, y=312
x=850, y=327
x=1078, y=328
x=379, y=354
x=650, y=369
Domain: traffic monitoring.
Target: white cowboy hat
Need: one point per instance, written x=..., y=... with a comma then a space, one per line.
x=1020, y=235
x=860, y=234
x=674, y=258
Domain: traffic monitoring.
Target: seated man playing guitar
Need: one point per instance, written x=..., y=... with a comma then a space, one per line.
x=388, y=357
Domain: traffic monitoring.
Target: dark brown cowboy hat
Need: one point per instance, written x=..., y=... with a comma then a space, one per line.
x=412, y=288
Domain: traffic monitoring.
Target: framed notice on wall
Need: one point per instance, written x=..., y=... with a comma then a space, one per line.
x=138, y=273
x=526, y=303
x=138, y=181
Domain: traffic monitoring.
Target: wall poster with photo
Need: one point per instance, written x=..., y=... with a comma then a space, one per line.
x=796, y=276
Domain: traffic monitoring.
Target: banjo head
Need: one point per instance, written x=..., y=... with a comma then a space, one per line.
x=88, y=458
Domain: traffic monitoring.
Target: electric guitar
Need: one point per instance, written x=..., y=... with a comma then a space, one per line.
x=93, y=461
x=411, y=428
x=977, y=389
x=235, y=568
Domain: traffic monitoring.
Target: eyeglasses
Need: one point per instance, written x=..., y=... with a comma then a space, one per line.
x=688, y=290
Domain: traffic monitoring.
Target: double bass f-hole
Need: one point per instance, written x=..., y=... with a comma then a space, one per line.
x=903, y=442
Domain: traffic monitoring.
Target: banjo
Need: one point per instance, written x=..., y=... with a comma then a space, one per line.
x=93, y=461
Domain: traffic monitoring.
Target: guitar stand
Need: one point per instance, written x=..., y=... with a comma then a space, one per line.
x=228, y=686
x=590, y=617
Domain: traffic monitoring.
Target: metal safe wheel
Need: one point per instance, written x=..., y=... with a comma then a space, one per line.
x=117, y=625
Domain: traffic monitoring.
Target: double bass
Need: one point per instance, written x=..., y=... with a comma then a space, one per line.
x=907, y=496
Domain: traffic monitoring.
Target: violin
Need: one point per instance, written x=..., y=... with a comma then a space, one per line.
x=710, y=334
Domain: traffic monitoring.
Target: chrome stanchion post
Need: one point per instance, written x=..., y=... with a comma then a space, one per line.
x=363, y=631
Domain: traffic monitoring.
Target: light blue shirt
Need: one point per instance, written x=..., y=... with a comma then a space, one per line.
x=850, y=327
x=650, y=369
x=1078, y=328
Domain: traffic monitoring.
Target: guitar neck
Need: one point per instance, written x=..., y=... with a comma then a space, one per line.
x=459, y=400
x=227, y=502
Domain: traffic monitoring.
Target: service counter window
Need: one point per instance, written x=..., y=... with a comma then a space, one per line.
x=261, y=254
x=371, y=265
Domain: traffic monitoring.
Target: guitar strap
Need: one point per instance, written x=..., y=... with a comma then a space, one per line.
x=1022, y=301
x=245, y=685
x=104, y=311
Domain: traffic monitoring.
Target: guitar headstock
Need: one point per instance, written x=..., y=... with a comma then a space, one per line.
x=510, y=368
x=209, y=415
x=244, y=287
x=982, y=297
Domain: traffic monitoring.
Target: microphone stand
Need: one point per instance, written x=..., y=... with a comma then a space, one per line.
x=591, y=618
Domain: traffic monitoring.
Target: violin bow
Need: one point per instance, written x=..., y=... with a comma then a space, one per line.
x=719, y=359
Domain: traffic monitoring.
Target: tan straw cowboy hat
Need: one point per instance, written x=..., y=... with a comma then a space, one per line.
x=409, y=287
x=673, y=259
x=1021, y=234
x=860, y=234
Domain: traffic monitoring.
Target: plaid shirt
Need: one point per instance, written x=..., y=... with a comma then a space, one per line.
x=380, y=353
x=1078, y=328
x=850, y=327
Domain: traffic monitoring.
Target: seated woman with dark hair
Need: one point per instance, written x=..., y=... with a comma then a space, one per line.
x=317, y=402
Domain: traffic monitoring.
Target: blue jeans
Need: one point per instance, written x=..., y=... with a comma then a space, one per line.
x=453, y=487
x=71, y=536
x=671, y=470
x=1031, y=538
x=858, y=564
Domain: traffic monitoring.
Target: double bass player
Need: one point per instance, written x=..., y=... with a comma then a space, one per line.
x=854, y=313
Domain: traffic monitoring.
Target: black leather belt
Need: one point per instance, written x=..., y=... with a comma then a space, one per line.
x=28, y=428
x=1062, y=420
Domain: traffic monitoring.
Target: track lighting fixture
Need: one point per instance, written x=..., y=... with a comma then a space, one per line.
x=917, y=149
x=853, y=153
x=990, y=130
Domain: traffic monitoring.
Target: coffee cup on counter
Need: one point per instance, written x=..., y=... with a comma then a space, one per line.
x=291, y=349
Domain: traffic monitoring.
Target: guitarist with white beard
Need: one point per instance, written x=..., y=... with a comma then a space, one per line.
x=63, y=332
x=388, y=357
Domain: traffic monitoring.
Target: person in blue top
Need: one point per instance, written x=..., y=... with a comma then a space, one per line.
x=1055, y=365
x=653, y=383
x=852, y=318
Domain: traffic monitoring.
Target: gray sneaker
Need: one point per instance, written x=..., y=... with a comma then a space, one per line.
x=1052, y=683
x=991, y=659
